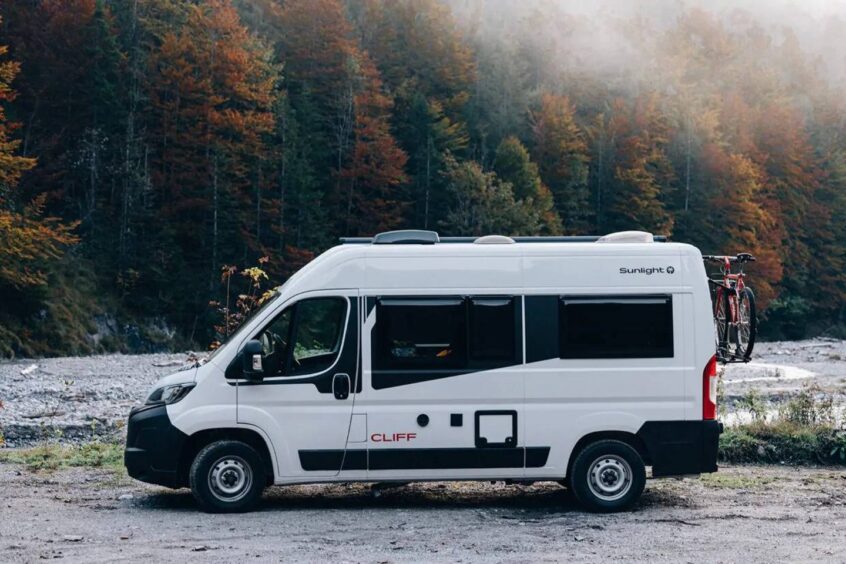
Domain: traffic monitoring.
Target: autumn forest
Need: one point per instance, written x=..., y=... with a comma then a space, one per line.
x=146, y=145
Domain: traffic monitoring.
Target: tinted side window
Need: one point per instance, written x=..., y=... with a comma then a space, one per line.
x=493, y=331
x=616, y=327
x=419, y=334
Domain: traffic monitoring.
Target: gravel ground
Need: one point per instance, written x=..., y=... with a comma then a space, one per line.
x=749, y=514
x=76, y=398
x=753, y=514
x=80, y=398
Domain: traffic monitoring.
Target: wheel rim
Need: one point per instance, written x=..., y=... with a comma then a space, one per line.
x=230, y=478
x=610, y=477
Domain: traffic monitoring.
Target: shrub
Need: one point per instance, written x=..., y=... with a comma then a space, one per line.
x=783, y=442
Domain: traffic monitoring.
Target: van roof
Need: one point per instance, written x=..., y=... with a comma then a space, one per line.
x=613, y=262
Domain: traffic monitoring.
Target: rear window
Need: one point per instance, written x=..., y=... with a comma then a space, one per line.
x=616, y=326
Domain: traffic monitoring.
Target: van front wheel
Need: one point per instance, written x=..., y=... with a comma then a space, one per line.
x=227, y=477
x=607, y=476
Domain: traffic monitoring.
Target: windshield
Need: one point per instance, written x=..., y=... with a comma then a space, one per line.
x=237, y=333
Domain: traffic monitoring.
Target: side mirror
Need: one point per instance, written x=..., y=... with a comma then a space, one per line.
x=252, y=360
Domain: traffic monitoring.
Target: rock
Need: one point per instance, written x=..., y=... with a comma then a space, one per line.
x=167, y=363
x=200, y=548
x=72, y=538
x=41, y=414
x=29, y=369
x=125, y=496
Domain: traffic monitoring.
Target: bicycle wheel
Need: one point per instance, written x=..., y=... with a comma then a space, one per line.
x=721, y=323
x=747, y=324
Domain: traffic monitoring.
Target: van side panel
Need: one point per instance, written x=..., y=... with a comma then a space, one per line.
x=567, y=399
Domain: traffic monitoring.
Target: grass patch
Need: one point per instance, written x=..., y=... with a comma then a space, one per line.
x=51, y=456
x=732, y=481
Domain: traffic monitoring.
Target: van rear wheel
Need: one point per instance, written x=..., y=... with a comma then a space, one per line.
x=607, y=476
x=227, y=477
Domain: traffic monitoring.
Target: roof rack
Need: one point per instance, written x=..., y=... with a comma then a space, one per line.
x=420, y=237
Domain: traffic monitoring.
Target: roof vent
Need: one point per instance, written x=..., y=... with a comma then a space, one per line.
x=494, y=240
x=406, y=237
x=627, y=237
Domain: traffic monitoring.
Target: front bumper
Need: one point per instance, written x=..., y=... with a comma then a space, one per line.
x=153, y=447
x=678, y=448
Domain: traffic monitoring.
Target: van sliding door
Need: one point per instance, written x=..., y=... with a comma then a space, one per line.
x=443, y=386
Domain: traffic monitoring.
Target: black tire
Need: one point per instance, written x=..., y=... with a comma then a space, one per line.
x=227, y=477
x=722, y=324
x=607, y=460
x=746, y=307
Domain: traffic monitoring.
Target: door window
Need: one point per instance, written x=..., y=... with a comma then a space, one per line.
x=319, y=327
x=274, y=343
x=305, y=338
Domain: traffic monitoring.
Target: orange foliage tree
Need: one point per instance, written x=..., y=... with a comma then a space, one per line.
x=376, y=167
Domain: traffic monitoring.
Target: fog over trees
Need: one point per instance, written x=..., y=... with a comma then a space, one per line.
x=146, y=144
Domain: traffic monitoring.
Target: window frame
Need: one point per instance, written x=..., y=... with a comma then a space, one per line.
x=289, y=349
x=376, y=346
x=469, y=364
x=633, y=299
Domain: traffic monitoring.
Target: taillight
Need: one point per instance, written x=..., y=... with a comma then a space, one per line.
x=709, y=389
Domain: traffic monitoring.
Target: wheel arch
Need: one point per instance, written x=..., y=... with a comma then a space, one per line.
x=200, y=439
x=626, y=437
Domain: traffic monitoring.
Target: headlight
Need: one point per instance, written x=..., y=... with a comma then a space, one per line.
x=169, y=394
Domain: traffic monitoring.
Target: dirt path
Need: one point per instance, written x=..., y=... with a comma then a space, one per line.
x=748, y=514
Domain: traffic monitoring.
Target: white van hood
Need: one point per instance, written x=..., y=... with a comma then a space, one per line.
x=182, y=377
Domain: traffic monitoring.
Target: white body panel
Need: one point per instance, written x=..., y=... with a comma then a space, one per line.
x=557, y=401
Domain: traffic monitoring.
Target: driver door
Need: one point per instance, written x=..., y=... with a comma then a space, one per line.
x=310, y=363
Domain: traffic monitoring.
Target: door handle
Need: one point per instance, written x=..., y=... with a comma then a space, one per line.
x=341, y=386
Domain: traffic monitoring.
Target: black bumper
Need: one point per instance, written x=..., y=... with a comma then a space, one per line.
x=153, y=447
x=677, y=448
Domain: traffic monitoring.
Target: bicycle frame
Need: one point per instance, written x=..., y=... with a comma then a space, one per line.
x=732, y=283
x=729, y=289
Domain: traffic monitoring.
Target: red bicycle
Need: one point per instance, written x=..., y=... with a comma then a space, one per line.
x=734, y=310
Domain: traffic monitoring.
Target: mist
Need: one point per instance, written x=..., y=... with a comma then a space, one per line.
x=616, y=40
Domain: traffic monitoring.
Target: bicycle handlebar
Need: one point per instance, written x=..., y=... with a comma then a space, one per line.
x=741, y=258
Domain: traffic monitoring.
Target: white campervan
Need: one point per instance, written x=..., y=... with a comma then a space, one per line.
x=411, y=357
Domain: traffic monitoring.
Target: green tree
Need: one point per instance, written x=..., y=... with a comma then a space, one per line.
x=481, y=204
x=430, y=138
x=562, y=154
x=513, y=165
